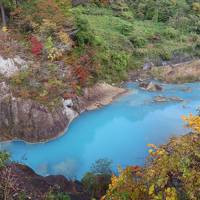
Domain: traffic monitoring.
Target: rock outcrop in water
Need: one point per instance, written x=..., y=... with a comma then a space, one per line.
x=161, y=99
x=150, y=86
x=31, y=121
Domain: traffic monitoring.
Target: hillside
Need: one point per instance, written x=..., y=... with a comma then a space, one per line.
x=59, y=59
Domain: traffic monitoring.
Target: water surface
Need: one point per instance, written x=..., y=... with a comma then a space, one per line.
x=119, y=132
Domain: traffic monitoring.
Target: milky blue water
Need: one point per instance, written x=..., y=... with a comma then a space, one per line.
x=119, y=132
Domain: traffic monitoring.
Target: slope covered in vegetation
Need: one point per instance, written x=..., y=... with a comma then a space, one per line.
x=98, y=41
x=127, y=35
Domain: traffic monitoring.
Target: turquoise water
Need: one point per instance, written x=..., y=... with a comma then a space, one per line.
x=118, y=132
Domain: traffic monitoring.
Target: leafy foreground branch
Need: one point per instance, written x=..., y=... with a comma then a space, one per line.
x=172, y=171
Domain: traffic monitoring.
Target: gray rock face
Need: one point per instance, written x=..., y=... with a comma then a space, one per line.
x=10, y=66
x=4, y=90
x=68, y=103
x=27, y=119
x=68, y=111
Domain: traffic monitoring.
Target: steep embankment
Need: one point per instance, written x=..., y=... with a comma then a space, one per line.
x=179, y=73
x=185, y=72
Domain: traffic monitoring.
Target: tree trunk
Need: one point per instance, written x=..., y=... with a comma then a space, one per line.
x=3, y=16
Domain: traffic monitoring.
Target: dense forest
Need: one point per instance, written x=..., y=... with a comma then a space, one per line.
x=72, y=46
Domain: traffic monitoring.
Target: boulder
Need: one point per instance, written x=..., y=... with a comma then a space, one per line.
x=68, y=110
x=99, y=95
x=177, y=99
x=68, y=103
x=153, y=87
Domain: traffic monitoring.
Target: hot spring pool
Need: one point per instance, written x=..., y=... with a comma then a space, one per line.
x=119, y=132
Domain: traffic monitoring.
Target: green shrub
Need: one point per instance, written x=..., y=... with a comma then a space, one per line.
x=98, y=41
x=57, y=196
x=138, y=41
x=20, y=79
x=166, y=54
x=119, y=61
x=125, y=29
x=170, y=33
x=96, y=182
x=102, y=166
x=85, y=34
x=160, y=11
x=49, y=43
x=113, y=65
x=4, y=158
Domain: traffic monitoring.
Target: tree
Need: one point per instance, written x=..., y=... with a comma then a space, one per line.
x=3, y=16
x=102, y=166
x=96, y=181
x=4, y=158
x=3, y=4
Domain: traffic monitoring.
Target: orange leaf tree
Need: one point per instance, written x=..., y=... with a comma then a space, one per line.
x=193, y=122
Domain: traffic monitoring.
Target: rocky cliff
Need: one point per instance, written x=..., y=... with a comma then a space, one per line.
x=31, y=121
x=28, y=120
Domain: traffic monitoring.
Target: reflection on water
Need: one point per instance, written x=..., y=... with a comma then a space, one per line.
x=118, y=132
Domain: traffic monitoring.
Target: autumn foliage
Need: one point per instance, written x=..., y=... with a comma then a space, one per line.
x=193, y=122
x=84, y=68
x=36, y=46
x=81, y=73
x=172, y=171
